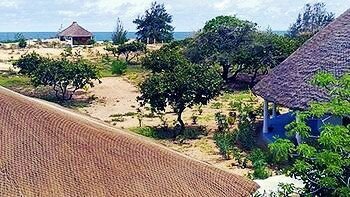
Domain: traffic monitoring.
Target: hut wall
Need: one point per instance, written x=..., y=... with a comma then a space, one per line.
x=81, y=40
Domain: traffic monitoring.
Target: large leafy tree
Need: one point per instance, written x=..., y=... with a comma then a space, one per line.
x=266, y=51
x=311, y=20
x=180, y=85
x=63, y=75
x=322, y=163
x=155, y=26
x=222, y=41
x=119, y=34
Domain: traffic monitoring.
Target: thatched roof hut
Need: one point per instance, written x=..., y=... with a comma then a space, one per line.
x=289, y=83
x=49, y=151
x=76, y=34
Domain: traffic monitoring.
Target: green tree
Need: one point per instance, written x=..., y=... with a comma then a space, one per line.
x=155, y=26
x=63, y=75
x=222, y=41
x=164, y=59
x=131, y=50
x=183, y=87
x=323, y=163
x=312, y=20
x=22, y=43
x=266, y=51
x=119, y=34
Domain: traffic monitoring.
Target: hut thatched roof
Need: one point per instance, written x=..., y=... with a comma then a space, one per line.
x=75, y=30
x=49, y=151
x=289, y=83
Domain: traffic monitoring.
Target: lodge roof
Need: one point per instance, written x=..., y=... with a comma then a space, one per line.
x=49, y=151
x=289, y=83
x=75, y=30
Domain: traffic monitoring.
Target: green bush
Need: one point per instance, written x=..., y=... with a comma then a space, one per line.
x=280, y=150
x=22, y=43
x=258, y=159
x=118, y=67
x=224, y=141
x=246, y=126
x=147, y=132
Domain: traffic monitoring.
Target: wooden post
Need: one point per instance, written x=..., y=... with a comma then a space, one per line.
x=266, y=117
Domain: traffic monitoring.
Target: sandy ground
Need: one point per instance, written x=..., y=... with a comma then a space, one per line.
x=117, y=96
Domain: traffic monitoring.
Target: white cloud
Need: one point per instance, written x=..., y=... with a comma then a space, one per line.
x=222, y=4
x=9, y=4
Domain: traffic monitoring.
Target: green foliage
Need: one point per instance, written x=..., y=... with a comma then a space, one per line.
x=312, y=20
x=146, y=131
x=131, y=50
x=183, y=87
x=222, y=122
x=324, y=164
x=10, y=81
x=164, y=59
x=64, y=76
x=246, y=125
x=19, y=37
x=118, y=67
x=155, y=26
x=119, y=34
x=259, y=162
x=112, y=49
x=224, y=141
x=280, y=150
x=221, y=42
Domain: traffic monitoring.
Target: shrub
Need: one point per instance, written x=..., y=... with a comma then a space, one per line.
x=280, y=150
x=64, y=76
x=22, y=43
x=131, y=50
x=258, y=159
x=21, y=40
x=224, y=141
x=246, y=125
x=146, y=131
x=118, y=67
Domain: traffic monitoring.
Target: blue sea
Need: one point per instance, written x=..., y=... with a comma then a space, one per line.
x=99, y=36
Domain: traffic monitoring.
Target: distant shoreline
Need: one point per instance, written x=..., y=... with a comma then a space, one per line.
x=99, y=36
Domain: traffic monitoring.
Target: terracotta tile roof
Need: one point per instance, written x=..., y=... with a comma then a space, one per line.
x=48, y=151
x=75, y=30
x=289, y=83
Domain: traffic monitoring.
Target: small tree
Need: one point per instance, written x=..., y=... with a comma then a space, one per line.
x=323, y=163
x=64, y=76
x=312, y=20
x=22, y=43
x=131, y=50
x=155, y=26
x=119, y=34
x=183, y=87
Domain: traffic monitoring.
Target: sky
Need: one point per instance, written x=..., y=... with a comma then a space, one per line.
x=188, y=15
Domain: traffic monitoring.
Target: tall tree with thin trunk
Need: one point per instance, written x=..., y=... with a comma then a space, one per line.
x=312, y=20
x=119, y=34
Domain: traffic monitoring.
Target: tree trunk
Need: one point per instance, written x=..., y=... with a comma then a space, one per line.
x=181, y=122
x=253, y=78
x=225, y=71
